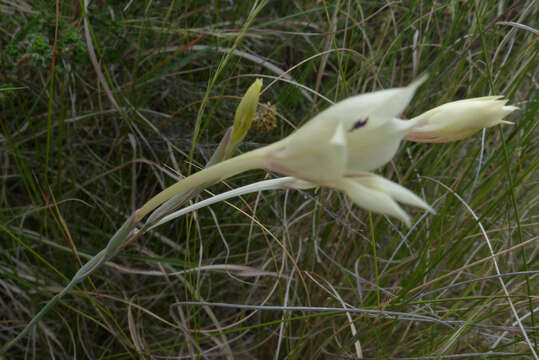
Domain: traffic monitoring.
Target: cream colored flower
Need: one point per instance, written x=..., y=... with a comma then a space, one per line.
x=459, y=119
x=339, y=146
x=361, y=133
x=380, y=195
x=354, y=136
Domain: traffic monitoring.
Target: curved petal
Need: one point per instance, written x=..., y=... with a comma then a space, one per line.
x=317, y=154
x=373, y=130
x=369, y=150
x=372, y=199
x=396, y=191
x=368, y=111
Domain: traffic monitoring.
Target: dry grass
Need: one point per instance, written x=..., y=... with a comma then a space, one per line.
x=101, y=117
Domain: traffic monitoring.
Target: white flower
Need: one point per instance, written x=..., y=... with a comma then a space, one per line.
x=334, y=149
x=459, y=119
x=361, y=133
x=340, y=145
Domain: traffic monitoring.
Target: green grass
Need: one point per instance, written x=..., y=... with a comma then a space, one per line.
x=70, y=176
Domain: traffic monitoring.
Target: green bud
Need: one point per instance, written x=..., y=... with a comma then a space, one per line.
x=245, y=112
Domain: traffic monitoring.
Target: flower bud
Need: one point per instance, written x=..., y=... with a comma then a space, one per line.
x=459, y=119
x=246, y=112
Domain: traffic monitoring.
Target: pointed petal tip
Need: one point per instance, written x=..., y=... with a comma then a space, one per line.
x=510, y=108
x=422, y=204
x=500, y=100
x=393, y=209
x=419, y=81
x=406, y=220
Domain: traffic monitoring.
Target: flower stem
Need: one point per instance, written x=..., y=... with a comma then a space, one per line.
x=252, y=160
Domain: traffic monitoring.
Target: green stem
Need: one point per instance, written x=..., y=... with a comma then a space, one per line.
x=252, y=160
x=86, y=270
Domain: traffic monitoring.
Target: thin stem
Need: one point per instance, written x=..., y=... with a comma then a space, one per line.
x=373, y=244
x=252, y=160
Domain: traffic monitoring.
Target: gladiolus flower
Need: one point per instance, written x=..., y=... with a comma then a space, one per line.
x=459, y=119
x=360, y=133
x=356, y=135
x=339, y=146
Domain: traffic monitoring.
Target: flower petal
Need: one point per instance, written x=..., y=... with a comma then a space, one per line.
x=313, y=153
x=372, y=199
x=373, y=109
x=396, y=191
x=374, y=132
x=369, y=150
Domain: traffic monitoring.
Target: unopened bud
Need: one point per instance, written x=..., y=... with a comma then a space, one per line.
x=246, y=112
x=459, y=119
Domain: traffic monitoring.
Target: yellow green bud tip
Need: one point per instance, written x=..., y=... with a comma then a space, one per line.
x=246, y=111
